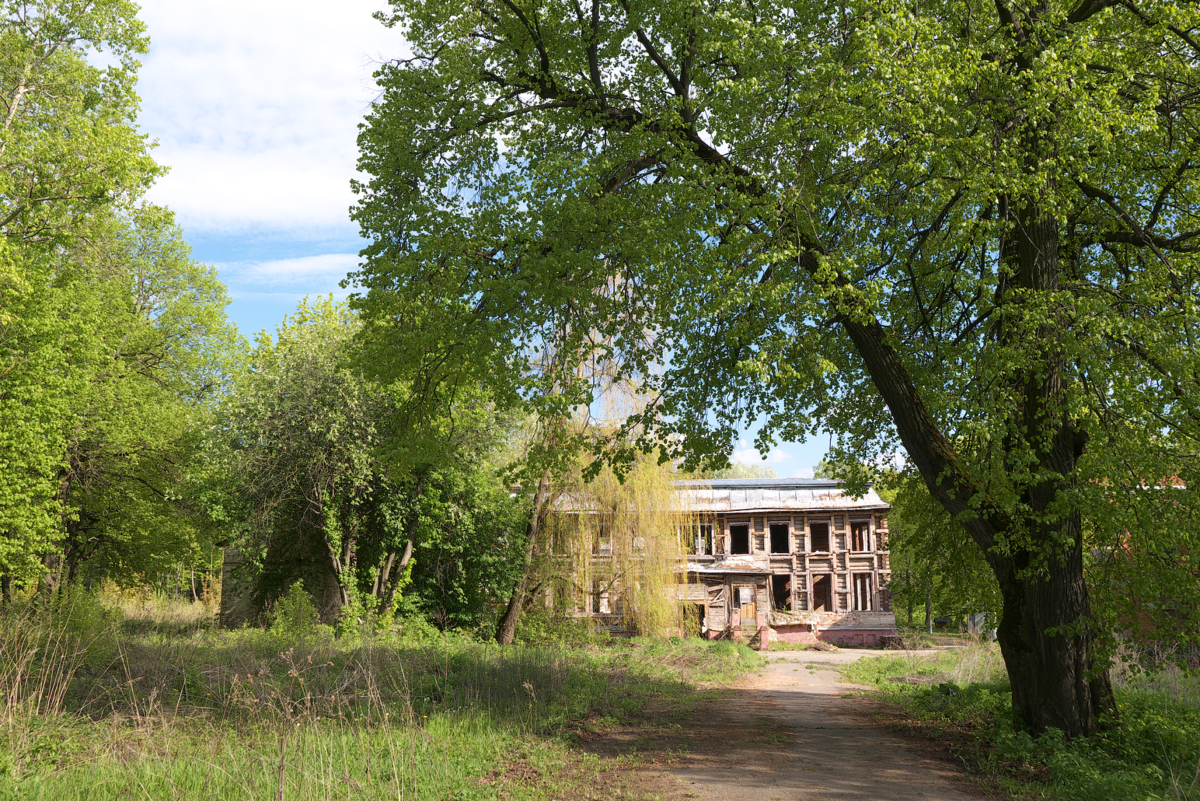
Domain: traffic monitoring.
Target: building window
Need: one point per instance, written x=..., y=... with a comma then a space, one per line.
x=862, y=592
x=739, y=539
x=820, y=536
x=702, y=539
x=601, y=541
x=860, y=535
x=779, y=538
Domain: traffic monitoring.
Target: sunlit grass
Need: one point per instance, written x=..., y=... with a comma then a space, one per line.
x=138, y=697
x=961, y=697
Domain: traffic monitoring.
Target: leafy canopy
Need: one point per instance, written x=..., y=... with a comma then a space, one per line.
x=813, y=214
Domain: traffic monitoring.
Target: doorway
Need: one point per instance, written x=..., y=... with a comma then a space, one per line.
x=743, y=601
x=823, y=593
x=781, y=593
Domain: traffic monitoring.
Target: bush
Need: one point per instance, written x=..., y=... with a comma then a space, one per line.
x=295, y=619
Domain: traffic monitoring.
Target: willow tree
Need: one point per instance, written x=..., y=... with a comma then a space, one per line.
x=615, y=543
x=967, y=229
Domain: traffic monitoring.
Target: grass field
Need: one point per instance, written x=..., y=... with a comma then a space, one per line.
x=131, y=697
x=961, y=698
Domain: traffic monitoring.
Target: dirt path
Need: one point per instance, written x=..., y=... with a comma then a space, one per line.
x=828, y=744
x=795, y=733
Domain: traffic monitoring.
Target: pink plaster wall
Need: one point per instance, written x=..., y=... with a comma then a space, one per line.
x=854, y=638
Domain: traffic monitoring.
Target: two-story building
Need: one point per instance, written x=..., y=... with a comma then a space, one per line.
x=798, y=555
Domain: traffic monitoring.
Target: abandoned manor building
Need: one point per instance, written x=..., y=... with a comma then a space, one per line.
x=798, y=560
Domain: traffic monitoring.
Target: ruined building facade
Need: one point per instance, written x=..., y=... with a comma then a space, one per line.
x=797, y=554
x=797, y=560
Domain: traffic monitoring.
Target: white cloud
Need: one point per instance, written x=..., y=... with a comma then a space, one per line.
x=256, y=106
x=326, y=270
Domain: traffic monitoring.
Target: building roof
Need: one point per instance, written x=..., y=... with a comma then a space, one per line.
x=750, y=495
x=756, y=496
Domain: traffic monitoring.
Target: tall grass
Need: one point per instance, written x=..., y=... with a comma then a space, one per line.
x=136, y=697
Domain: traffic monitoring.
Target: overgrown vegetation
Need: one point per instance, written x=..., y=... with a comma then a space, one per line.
x=131, y=694
x=961, y=697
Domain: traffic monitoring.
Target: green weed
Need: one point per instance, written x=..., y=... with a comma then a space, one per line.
x=962, y=697
x=137, y=698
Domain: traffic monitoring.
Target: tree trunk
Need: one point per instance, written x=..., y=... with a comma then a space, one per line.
x=908, y=586
x=1055, y=682
x=506, y=631
x=1045, y=627
x=391, y=581
x=928, y=599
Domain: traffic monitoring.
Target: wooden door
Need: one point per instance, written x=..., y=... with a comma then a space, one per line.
x=744, y=598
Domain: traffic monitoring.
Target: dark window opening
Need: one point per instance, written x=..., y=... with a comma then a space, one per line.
x=820, y=536
x=739, y=539
x=781, y=592
x=702, y=539
x=601, y=541
x=860, y=536
x=779, y=538
x=701, y=609
x=822, y=593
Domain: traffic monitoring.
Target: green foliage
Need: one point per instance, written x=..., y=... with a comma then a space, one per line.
x=226, y=713
x=300, y=432
x=636, y=524
x=330, y=492
x=34, y=413
x=468, y=535
x=293, y=617
x=69, y=145
x=159, y=352
x=961, y=696
x=932, y=556
x=112, y=340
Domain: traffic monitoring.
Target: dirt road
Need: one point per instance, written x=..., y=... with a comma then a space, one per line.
x=798, y=733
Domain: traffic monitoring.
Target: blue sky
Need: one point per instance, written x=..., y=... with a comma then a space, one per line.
x=255, y=106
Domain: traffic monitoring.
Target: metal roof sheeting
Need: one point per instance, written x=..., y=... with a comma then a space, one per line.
x=755, y=496
x=750, y=495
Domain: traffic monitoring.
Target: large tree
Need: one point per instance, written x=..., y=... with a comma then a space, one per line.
x=152, y=352
x=331, y=495
x=106, y=327
x=967, y=228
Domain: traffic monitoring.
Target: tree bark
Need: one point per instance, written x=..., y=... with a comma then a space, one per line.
x=391, y=581
x=928, y=599
x=1046, y=644
x=506, y=631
